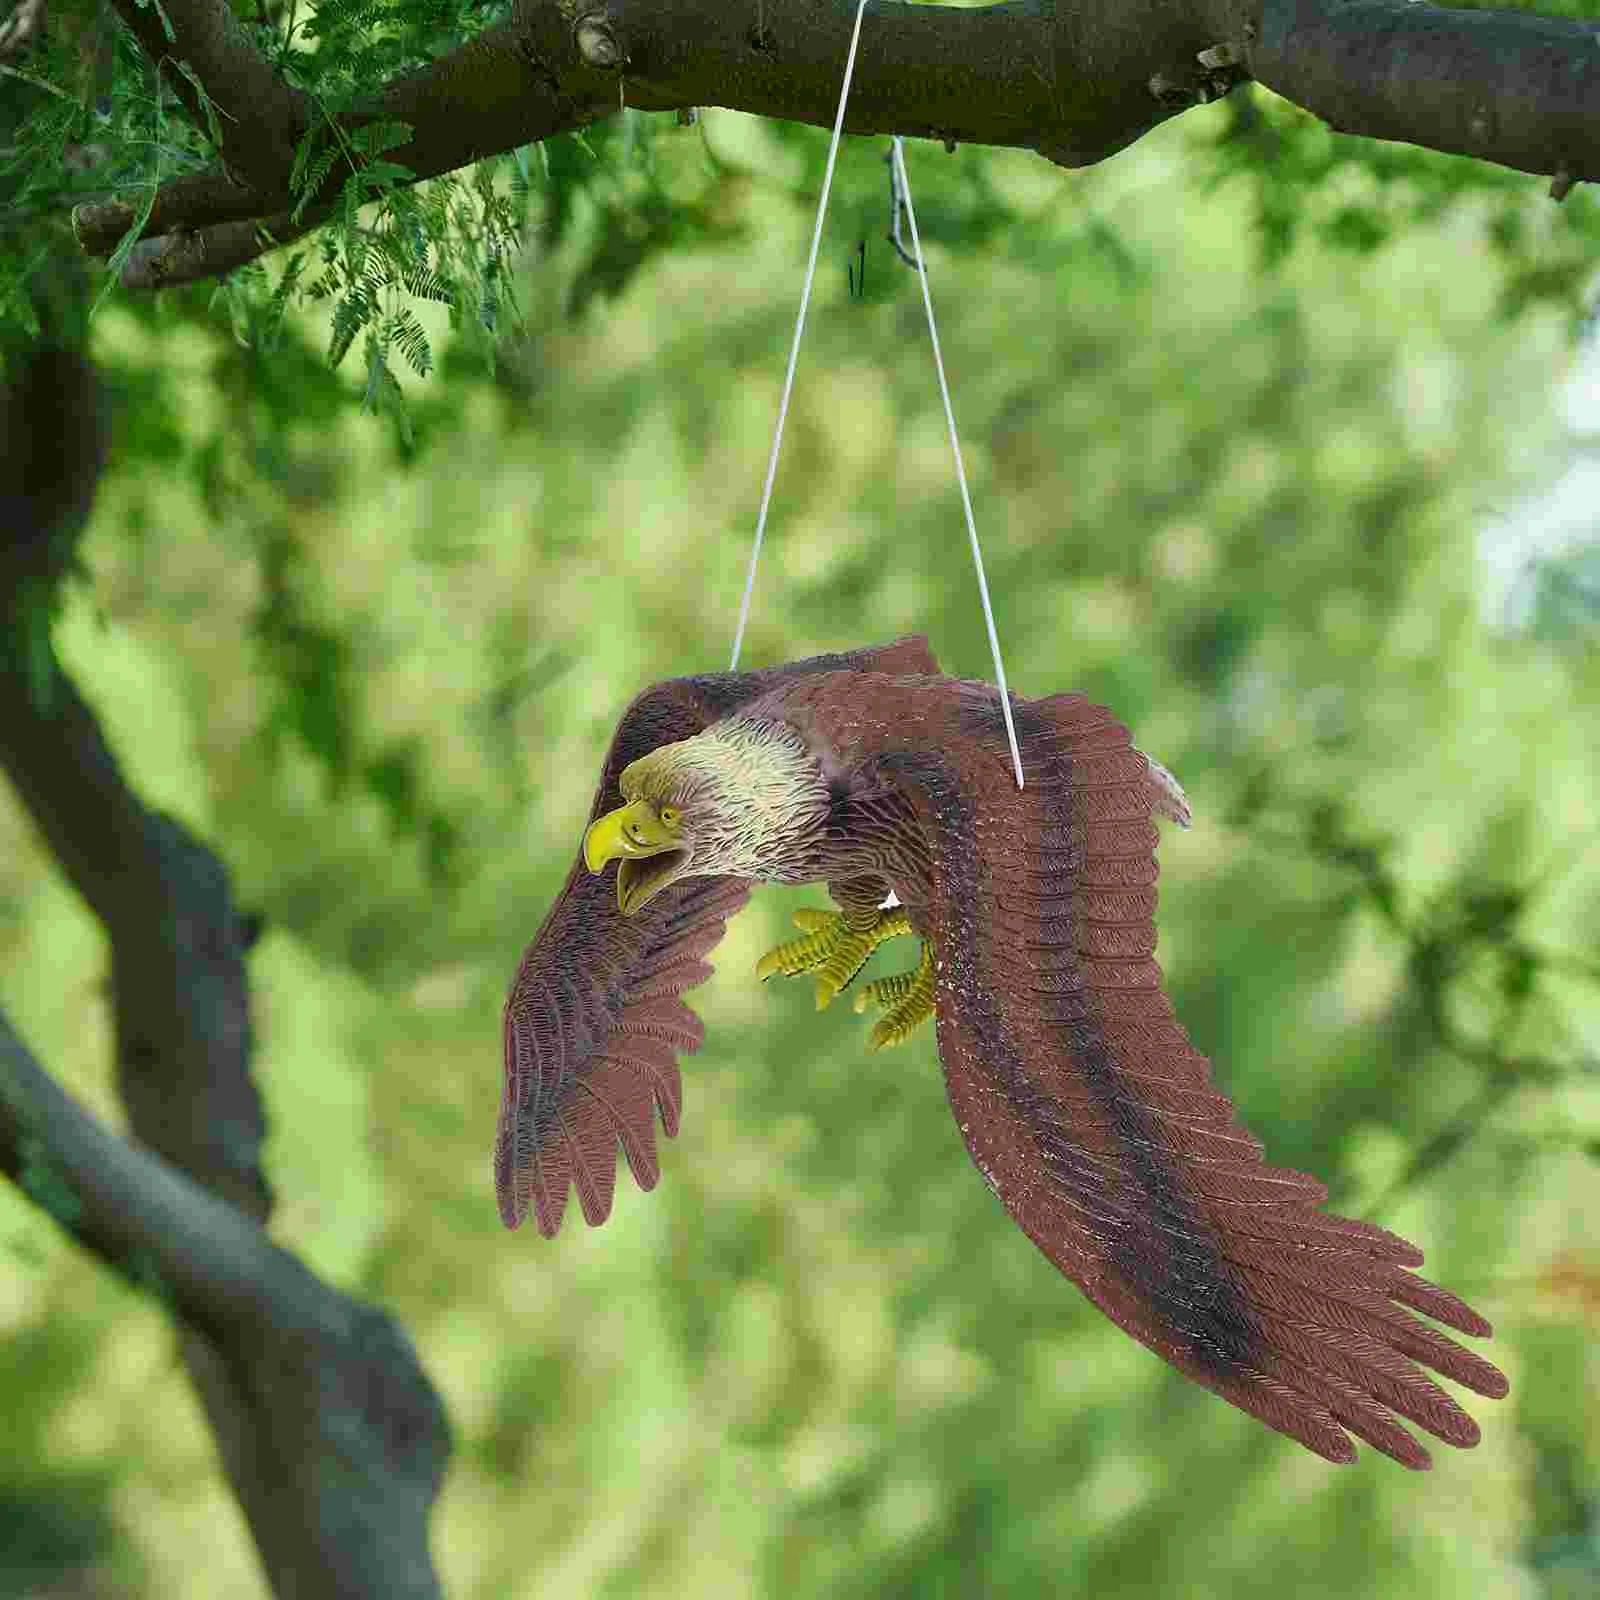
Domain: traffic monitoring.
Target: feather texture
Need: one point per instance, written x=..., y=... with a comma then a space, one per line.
x=1084, y=1104
x=594, y=1023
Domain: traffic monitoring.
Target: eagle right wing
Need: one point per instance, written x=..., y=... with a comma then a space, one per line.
x=594, y=1023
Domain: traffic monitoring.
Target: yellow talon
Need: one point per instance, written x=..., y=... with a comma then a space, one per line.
x=831, y=948
x=908, y=999
x=836, y=952
x=886, y=992
x=801, y=955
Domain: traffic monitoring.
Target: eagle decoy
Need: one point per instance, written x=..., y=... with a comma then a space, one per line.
x=1081, y=1099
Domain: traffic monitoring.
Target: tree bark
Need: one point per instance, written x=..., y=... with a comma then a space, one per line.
x=332, y=1437
x=1075, y=80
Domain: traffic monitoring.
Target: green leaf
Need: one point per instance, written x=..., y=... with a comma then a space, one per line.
x=350, y=316
x=377, y=137
x=406, y=332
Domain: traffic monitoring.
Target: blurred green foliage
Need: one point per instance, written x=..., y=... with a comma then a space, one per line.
x=378, y=671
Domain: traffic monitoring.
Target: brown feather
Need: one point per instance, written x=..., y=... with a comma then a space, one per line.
x=1083, y=1102
x=594, y=1023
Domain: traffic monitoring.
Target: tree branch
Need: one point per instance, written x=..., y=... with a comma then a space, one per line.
x=18, y=30
x=187, y=255
x=259, y=115
x=995, y=75
x=331, y=1434
x=341, y=1433
x=1503, y=86
x=181, y=997
x=1076, y=82
x=181, y=204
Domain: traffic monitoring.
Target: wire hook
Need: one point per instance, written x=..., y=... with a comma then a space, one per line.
x=897, y=208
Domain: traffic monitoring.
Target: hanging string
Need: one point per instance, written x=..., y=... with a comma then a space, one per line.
x=903, y=186
x=794, y=346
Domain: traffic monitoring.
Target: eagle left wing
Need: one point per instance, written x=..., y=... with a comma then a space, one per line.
x=1082, y=1100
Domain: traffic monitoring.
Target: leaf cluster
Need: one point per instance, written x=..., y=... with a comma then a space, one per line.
x=344, y=49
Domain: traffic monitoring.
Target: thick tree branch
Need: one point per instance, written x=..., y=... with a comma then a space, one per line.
x=1007, y=74
x=330, y=1432
x=1522, y=91
x=259, y=115
x=1075, y=81
x=346, y=1436
x=180, y=204
x=179, y=986
x=187, y=255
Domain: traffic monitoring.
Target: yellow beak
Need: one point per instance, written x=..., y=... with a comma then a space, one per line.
x=631, y=831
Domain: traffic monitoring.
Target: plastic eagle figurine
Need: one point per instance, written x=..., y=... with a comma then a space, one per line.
x=1081, y=1099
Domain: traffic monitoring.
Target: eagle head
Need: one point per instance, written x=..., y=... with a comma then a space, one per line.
x=653, y=839
x=744, y=798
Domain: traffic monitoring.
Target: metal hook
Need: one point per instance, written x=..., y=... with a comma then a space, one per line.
x=897, y=207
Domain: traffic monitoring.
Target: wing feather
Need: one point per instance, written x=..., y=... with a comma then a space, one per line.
x=594, y=1023
x=1085, y=1105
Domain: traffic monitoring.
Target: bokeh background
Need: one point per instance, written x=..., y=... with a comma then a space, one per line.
x=1235, y=449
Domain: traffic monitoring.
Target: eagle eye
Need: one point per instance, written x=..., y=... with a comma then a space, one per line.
x=669, y=816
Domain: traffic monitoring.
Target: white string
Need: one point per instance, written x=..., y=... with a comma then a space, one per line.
x=794, y=347
x=904, y=186
x=903, y=183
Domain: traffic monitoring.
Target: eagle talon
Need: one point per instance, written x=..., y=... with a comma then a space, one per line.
x=831, y=948
x=907, y=998
x=886, y=992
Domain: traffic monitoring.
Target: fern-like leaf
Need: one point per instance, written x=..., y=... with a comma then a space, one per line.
x=377, y=137
x=406, y=333
x=350, y=316
x=426, y=284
